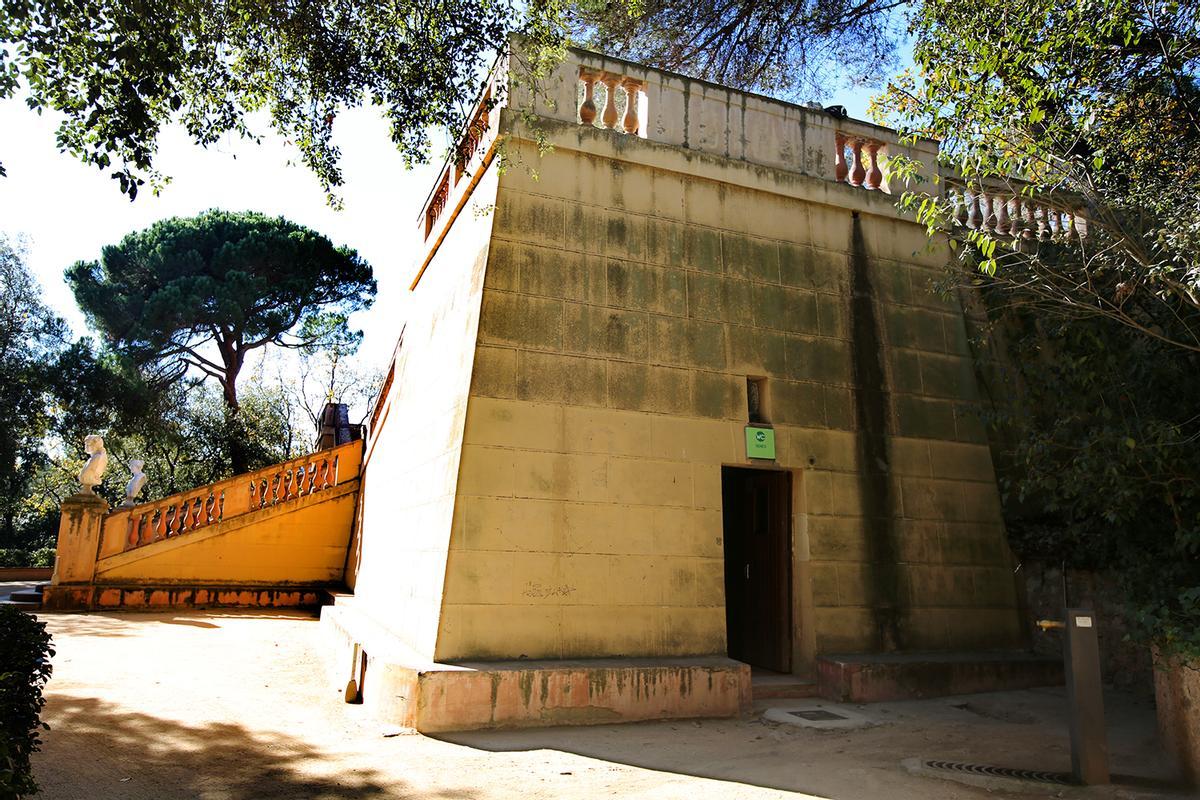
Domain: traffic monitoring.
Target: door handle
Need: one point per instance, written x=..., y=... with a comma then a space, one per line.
x=747, y=572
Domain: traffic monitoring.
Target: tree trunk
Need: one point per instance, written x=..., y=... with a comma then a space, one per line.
x=235, y=441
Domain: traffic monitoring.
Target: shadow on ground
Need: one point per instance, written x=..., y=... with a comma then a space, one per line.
x=133, y=756
x=1024, y=730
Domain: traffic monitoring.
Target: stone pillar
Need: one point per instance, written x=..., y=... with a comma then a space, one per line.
x=79, y=539
x=1177, y=696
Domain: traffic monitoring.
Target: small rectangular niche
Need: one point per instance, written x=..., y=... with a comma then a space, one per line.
x=758, y=406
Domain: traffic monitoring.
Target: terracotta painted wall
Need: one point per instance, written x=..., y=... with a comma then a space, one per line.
x=398, y=563
x=631, y=288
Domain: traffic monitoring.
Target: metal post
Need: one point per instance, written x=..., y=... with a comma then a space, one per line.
x=1089, y=742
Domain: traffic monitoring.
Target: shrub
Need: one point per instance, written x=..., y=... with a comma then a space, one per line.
x=23, y=557
x=25, y=651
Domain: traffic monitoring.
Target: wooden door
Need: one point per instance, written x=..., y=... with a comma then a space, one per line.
x=758, y=566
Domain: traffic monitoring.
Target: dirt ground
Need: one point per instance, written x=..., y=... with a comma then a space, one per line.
x=234, y=707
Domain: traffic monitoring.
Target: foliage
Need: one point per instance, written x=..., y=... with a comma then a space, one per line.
x=1094, y=106
x=330, y=375
x=202, y=293
x=25, y=652
x=50, y=387
x=119, y=71
x=795, y=48
x=20, y=557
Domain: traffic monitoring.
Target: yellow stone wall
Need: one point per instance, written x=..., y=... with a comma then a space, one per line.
x=398, y=562
x=631, y=287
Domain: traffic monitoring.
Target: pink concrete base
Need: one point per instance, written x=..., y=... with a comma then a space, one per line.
x=431, y=697
x=911, y=676
x=1177, y=696
x=67, y=597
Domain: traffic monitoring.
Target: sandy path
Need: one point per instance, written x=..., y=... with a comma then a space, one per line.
x=233, y=707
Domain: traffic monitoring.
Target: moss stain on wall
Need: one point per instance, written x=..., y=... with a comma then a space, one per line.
x=870, y=409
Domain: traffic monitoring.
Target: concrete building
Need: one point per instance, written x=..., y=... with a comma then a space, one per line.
x=679, y=386
x=674, y=398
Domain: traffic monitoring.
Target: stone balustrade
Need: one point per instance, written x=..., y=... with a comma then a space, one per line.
x=209, y=505
x=1007, y=212
x=857, y=161
x=612, y=118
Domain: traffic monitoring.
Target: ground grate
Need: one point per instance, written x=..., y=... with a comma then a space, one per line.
x=816, y=715
x=1057, y=778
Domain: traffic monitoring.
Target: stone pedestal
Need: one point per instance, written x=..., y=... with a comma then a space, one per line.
x=1177, y=695
x=79, y=539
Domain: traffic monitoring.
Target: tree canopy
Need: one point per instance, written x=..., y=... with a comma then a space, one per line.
x=199, y=294
x=1092, y=102
x=120, y=71
x=796, y=49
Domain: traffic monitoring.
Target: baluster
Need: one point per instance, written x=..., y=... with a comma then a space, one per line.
x=961, y=203
x=587, y=110
x=840, y=170
x=210, y=503
x=221, y=506
x=180, y=520
x=631, y=104
x=325, y=473
x=1071, y=231
x=857, y=173
x=1039, y=222
x=1055, y=223
x=610, y=100
x=334, y=470
x=874, y=174
x=988, y=206
x=159, y=522
x=135, y=532
x=1028, y=222
x=1017, y=221
x=169, y=524
x=1003, y=223
x=974, y=215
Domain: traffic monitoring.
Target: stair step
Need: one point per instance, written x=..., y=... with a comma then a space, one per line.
x=786, y=691
x=26, y=597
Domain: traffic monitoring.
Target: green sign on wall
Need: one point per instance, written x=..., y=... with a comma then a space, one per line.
x=760, y=442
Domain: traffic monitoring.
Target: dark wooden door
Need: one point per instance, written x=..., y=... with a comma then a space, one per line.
x=758, y=566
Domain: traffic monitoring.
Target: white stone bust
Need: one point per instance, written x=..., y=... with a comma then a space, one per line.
x=93, y=470
x=137, y=480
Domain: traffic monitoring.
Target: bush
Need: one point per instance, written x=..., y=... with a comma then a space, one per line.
x=25, y=651
x=43, y=557
x=22, y=557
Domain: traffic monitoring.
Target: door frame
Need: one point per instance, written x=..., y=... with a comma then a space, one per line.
x=793, y=649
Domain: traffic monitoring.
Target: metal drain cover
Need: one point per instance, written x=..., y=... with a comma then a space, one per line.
x=816, y=715
x=986, y=771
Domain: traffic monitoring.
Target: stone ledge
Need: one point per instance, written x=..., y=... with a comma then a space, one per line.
x=433, y=697
x=873, y=678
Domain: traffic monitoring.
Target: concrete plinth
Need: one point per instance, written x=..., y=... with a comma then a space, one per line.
x=911, y=676
x=403, y=689
x=1177, y=697
x=79, y=538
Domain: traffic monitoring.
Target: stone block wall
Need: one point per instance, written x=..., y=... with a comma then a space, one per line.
x=630, y=290
x=397, y=561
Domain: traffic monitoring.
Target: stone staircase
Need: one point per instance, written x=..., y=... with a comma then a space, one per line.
x=273, y=538
x=26, y=599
